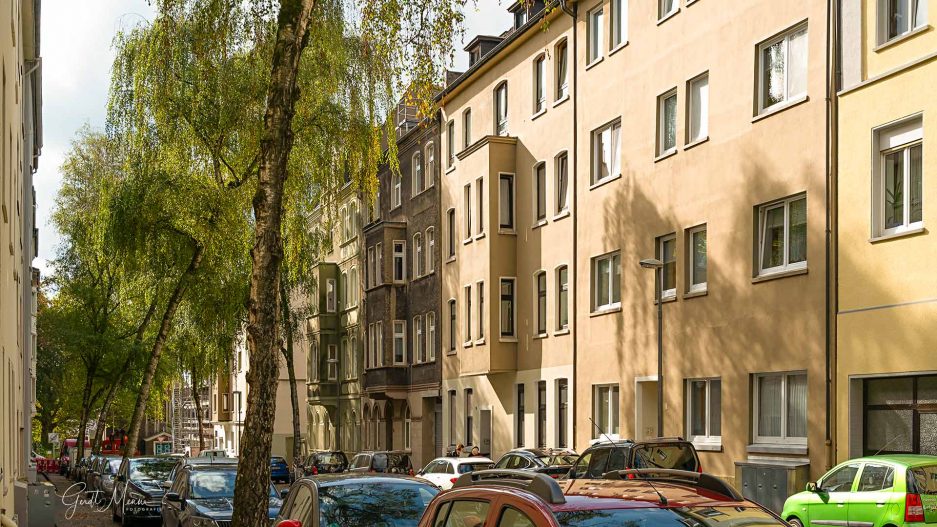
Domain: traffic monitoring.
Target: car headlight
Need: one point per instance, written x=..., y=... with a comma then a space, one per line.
x=134, y=495
x=203, y=522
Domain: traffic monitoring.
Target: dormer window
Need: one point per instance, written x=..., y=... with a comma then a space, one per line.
x=520, y=18
x=474, y=55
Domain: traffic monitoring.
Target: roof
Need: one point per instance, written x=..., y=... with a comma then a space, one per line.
x=910, y=460
x=473, y=459
x=331, y=480
x=636, y=494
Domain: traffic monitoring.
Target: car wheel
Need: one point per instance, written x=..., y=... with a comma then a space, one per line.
x=795, y=522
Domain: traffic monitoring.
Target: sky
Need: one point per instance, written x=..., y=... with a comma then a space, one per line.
x=76, y=60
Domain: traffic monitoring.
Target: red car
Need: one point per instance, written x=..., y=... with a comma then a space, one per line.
x=658, y=498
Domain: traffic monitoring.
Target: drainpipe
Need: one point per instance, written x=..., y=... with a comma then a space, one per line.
x=832, y=240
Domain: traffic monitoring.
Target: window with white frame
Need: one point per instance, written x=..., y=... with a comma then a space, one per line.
x=466, y=128
x=501, y=109
x=430, y=320
x=900, y=17
x=468, y=313
x=353, y=218
x=782, y=235
x=372, y=349
x=667, y=123
x=346, y=224
x=482, y=199
x=596, y=26
x=450, y=224
x=416, y=169
x=520, y=415
x=696, y=259
x=562, y=297
x=562, y=183
x=430, y=250
x=332, y=363
x=898, y=178
x=314, y=357
x=619, y=30
x=453, y=325
x=369, y=279
x=396, y=191
x=562, y=81
x=400, y=261
x=782, y=68
x=419, y=262
x=605, y=410
x=697, y=108
x=450, y=143
x=353, y=287
x=343, y=301
x=429, y=157
x=467, y=200
x=606, y=281
x=667, y=254
x=419, y=351
x=540, y=90
x=507, y=307
x=780, y=408
x=540, y=192
x=606, y=152
x=330, y=295
x=400, y=342
x=704, y=410
x=347, y=354
x=506, y=202
x=562, y=411
x=407, y=427
x=540, y=286
x=666, y=8
x=480, y=287
x=379, y=264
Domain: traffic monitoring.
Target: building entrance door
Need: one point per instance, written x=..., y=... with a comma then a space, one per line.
x=645, y=408
x=485, y=432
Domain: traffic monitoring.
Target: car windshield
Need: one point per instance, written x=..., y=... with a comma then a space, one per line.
x=683, y=517
x=329, y=459
x=112, y=466
x=396, y=462
x=151, y=468
x=369, y=504
x=558, y=460
x=465, y=468
x=277, y=460
x=672, y=456
x=212, y=484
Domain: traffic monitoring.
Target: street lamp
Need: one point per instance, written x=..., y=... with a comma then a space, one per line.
x=658, y=266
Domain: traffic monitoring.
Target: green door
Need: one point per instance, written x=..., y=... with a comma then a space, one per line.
x=830, y=504
x=874, y=500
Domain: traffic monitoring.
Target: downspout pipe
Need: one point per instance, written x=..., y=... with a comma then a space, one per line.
x=832, y=240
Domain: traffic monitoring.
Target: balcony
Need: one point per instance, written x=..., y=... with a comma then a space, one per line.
x=378, y=381
x=324, y=322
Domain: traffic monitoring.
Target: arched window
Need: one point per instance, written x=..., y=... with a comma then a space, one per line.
x=419, y=263
x=367, y=428
x=562, y=82
x=430, y=249
x=396, y=191
x=430, y=158
x=416, y=169
x=501, y=109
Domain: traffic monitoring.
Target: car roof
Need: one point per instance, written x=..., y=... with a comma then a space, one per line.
x=908, y=460
x=332, y=480
x=475, y=459
x=209, y=461
x=636, y=494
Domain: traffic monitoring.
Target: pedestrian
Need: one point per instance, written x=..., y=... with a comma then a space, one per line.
x=475, y=452
x=458, y=450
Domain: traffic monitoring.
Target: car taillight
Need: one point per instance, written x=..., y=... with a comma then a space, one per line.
x=555, y=476
x=913, y=508
x=631, y=476
x=315, y=470
x=453, y=480
x=410, y=472
x=699, y=468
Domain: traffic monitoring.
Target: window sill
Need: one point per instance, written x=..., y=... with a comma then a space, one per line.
x=467, y=344
x=668, y=16
x=467, y=241
x=665, y=155
x=507, y=232
x=561, y=215
x=594, y=63
x=561, y=100
x=695, y=294
x=479, y=236
x=668, y=299
x=690, y=2
x=778, y=108
x=450, y=259
x=605, y=181
x=540, y=336
x=538, y=114
x=451, y=353
x=901, y=38
x=605, y=311
x=538, y=224
x=480, y=342
x=771, y=448
x=508, y=340
x=778, y=274
x=695, y=143
x=707, y=446
x=902, y=234
x=451, y=169
x=420, y=193
x=397, y=206
x=561, y=332
x=618, y=48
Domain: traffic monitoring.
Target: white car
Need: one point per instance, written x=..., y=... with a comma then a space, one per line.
x=443, y=471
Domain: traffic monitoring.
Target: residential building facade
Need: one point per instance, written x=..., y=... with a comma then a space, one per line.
x=886, y=369
x=401, y=258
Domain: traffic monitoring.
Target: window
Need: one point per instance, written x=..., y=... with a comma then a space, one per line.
x=520, y=416
x=667, y=123
x=429, y=157
x=346, y=224
x=666, y=8
x=506, y=202
x=469, y=410
x=696, y=259
x=379, y=256
x=507, y=307
x=396, y=192
x=667, y=253
x=419, y=263
x=520, y=18
x=407, y=426
x=606, y=281
x=783, y=235
x=375, y=352
x=419, y=351
x=332, y=363
x=605, y=410
x=416, y=170
x=897, y=416
x=540, y=91
x=562, y=298
x=468, y=314
x=430, y=250
x=540, y=192
x=619, y=29
x=542, y=414
x=540, y=285
x=875, y=478
x=562, y=411
x=704, y=410
x=369, y=279
x=898, y=179
x=452, y=421
x=400, y=261
x=606, y=152
x=781, y=408
x=400, y=342
x=480, y=190
x=466, y=128
x=900, y=17
x=379, y=342
x=450, y=142
x=450, y=223
x=343, y=301
x=314, y=364
x=330, y=300
x=562, y=183
x=562, y=82
x=841, y=480
x=353, y=287
x=453, y=325
x=596, y=23
x=481, y=310
x=468, y=211
x=430, y=319
x=501, y=109
x=698, y=108
x=514, y=518
x=782, y=69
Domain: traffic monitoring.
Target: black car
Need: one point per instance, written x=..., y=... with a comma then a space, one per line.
x=608, y=456
x=101, y=477
x=181, y=463
x=552, y=462
x=325, y=462
x=203, y=494
x=137, y=490
x=390, y=462
x=356, y=500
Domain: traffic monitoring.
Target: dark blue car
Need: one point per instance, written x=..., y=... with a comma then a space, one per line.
x=204, y=495
x=280, y=470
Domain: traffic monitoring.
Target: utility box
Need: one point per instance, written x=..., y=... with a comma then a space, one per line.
x=769, y=483
x=43, y=504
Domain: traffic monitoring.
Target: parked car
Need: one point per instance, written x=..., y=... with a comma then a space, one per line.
x=101, y=477
x=280, y=470
x=554, y=463
x=325, y=462
x=444, y=471
x=662, y=498
x=138, y=489
x=390, y=462
x=356, y=500
x=84, y=469
x=215, y=452
x=607, y=456
x=203, y=495
x=180, y=463
x=872, y=491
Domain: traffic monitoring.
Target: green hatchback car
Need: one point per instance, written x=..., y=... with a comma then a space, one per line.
x=875, y=491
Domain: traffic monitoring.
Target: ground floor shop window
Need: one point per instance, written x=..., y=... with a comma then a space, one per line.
x=900, y=415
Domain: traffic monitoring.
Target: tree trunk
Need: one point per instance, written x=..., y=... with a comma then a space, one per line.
x=85, y=410
x=253, y=478
x=108, y=399
x=133, y=434
x=291, y=371
x=198, y=413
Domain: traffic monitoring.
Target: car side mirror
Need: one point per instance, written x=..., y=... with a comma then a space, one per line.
x=813, y=487
x=284, y=493
x=491, y=466
x=173, y=496
x=165, y=484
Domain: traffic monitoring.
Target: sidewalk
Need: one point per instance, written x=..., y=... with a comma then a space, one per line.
x=72, y=509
